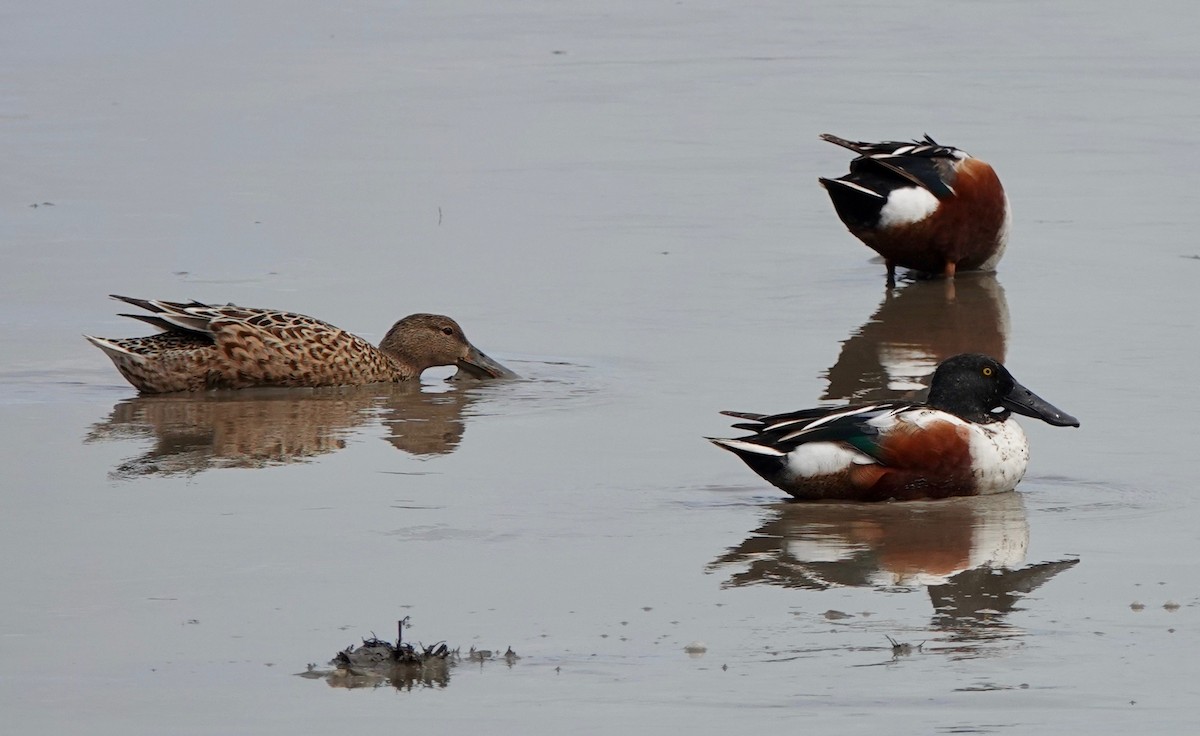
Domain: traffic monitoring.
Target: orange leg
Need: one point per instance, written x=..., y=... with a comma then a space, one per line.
x=948, y=272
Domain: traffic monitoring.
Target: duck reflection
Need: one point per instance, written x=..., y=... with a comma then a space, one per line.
x=917, y=326
x=258, y=428
x=969, y=553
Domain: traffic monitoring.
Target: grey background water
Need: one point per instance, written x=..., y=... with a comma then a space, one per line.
x=618, y=200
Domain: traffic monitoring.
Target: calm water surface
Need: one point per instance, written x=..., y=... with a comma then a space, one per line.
x=619, y=201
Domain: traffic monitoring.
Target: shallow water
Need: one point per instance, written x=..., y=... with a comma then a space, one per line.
x=618, y=201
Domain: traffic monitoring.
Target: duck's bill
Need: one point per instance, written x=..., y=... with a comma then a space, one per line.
x=478, y=365
x=1023, y=401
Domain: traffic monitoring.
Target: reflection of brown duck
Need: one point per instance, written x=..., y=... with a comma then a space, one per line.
x=966, y=551
x=429, y=424
x=917, y=326
x=249, y=429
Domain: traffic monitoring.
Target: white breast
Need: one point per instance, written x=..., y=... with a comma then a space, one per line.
x=999, y=454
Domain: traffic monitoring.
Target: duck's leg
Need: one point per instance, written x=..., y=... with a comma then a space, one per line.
x=948, y=271
x=891, y=270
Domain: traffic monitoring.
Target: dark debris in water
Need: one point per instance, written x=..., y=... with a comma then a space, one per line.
x=403, y=665
x=904, y=649
x=379, y=653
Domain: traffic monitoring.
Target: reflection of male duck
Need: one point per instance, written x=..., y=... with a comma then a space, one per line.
x=248, y=429
x=968, y=552
x=916, y=327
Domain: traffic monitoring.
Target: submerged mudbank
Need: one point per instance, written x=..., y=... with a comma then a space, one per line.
x=377, y=662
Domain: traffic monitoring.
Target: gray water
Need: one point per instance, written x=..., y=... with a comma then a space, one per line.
x=619, y=201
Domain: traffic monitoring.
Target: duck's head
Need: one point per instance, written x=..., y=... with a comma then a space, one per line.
x=421, y=341
x=979, y=389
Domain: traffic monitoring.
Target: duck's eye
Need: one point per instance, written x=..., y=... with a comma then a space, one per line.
x=987, y=371
x=450, y=331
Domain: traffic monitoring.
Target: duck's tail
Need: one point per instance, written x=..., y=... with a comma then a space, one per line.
x=111, y=348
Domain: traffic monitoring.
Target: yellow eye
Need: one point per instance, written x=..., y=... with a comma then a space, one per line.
x=987, y=371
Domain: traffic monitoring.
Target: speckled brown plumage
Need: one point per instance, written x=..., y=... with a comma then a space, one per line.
x=211, y=347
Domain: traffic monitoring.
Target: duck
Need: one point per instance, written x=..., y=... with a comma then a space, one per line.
x=961, y=441
x=202, y=347
x=923, y=206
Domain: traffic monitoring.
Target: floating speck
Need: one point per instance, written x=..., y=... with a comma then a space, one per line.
x=903, y=649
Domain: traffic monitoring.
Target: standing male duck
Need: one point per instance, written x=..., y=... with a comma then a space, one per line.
x=962, y=441
x=922, y=206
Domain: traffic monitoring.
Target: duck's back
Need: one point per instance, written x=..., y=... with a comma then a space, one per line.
x=206, y=347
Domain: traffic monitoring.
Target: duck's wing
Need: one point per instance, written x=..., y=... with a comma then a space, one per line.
x=168, y=316
x=759, y=422
x=923, y=163
x=858, y=426
x=924, y=147
x=229, y=321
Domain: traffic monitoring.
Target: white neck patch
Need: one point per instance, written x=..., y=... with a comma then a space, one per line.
x=906, y=206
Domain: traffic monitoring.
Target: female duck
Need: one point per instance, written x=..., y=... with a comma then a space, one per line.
x=962, y=442
x=209, y=347
x=922, y=206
